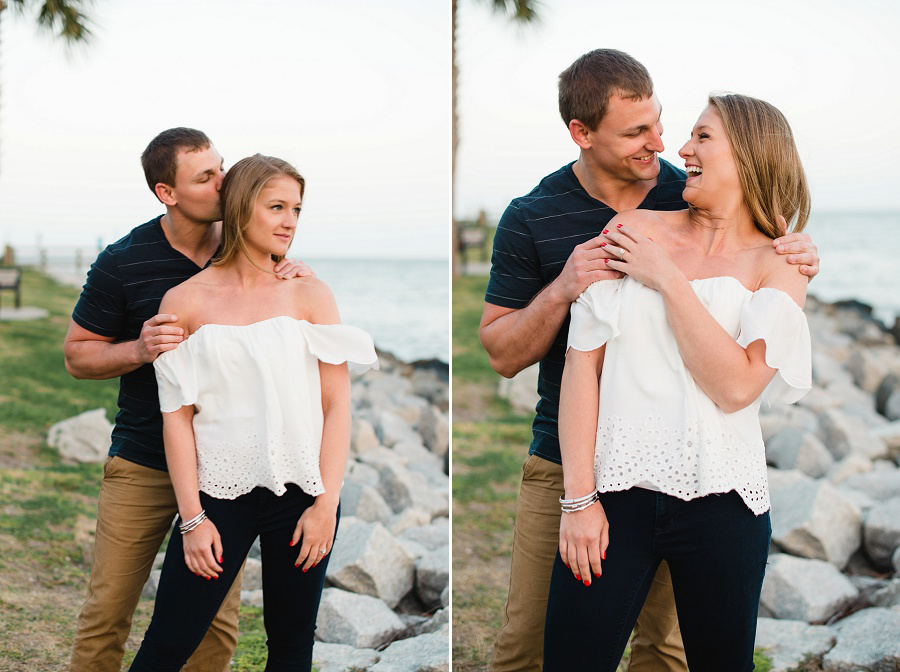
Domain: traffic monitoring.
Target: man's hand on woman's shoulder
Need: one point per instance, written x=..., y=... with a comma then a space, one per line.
x=799, y=249
x=287, y=269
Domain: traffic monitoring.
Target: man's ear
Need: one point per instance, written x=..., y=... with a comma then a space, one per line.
x=580, y=134
x=165, y=194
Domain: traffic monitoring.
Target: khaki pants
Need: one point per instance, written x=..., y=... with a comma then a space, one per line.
x=519, y=646
x=136, y=509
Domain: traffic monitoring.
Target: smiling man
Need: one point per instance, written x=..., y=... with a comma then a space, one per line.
x=546, y=252
x=116, y=332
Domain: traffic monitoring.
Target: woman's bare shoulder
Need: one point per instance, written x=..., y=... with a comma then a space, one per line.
x=777, y=273
x=315, y=300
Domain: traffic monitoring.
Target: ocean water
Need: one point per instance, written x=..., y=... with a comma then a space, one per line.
x=860, y=259
x=404, y=304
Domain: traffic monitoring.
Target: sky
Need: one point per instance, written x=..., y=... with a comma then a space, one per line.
x=830, y=66
x=355, y=94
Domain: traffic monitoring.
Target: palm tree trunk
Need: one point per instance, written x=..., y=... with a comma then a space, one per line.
x=455, y=143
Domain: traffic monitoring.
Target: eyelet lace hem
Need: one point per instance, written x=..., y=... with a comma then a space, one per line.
x=229, y=470
x=687, y=463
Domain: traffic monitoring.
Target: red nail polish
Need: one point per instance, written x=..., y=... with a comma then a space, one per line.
x=567, y=565
x=586, y=582
x=304, y=570
x=602, y=244
x=578, y=577
x=292, y=543
x=606, y=260
x=297, y=564
x=605, y=230
x=597, y=575
x=603, y=557
x=207, y=578
x=618, y=226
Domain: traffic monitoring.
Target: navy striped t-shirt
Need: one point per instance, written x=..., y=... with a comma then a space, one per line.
x=534, y=238
x=123, y=290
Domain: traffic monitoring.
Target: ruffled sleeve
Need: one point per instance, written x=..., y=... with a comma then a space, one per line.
x=773, y=316
x=339, y=343
x=176, y=378
x=595, y=316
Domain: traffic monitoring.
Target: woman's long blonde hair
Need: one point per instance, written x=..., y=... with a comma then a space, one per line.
x=241, y=187
x=768, y=163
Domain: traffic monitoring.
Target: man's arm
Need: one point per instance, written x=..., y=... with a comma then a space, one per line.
x=516, y=338
x=94, y=357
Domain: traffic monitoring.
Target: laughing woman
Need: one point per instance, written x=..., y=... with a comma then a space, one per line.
x=256, y=422
x=662, y=452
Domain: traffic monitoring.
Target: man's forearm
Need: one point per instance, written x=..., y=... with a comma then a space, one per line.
x=522, y=337
x=99, y=360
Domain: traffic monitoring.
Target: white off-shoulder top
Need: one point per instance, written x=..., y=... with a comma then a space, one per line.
x=258, y=399
x=656, y=428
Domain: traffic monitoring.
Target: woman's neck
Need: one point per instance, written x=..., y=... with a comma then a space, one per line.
x=718, y=230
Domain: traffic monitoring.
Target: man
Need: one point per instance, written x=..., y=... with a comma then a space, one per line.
x=115, y=331
x=546, y=252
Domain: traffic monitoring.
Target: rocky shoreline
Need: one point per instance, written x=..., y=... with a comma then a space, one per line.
x=831, y=596
x=386, y=603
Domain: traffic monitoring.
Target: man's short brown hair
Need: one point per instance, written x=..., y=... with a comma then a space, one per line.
x=158, y=159
x=586, y=86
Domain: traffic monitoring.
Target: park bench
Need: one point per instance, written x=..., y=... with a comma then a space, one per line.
x=11, y=279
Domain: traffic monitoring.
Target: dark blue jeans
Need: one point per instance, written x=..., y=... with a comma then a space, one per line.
x=716, y=549
x=186, y=603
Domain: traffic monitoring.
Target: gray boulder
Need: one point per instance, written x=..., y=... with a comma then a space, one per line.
x=392, y=428
x=252, y=598
x=362, y=436
x=433, y=576
x=879, y=485
x=779, y=416
x=407, y=519
x=868, y=640
x=152, y=584
x=848, y=466
x=368, y=560
x=425, y=653
x=85, y=437
x=813, y=519
x=403, y=488
x=521, y=390
x=844, y=434
x=431, y=536
x=895, y=561
x=252, y=576
x=881, y=533
x=360, y=621
x=887, y=396
x=788, y=643
x=364, y=502
x=805, y=590
x=429, y=384
x=435, y=430
x=342, y=658
x=791, y=448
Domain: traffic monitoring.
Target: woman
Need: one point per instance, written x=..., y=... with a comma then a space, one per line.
x=256, y=422
x=664, y=460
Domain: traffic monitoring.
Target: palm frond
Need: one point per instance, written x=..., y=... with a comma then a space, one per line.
x=63, y=18
x=523, y=11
